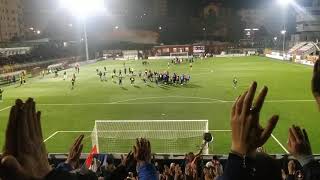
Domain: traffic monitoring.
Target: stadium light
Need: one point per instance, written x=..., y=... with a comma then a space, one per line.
x=160, y=28
x=38, y=32
x=285, y=3
x=116, y=27
x=283, y=32
x=247, y=29
x=255, y=29
x=275, y=38
x=83, y=9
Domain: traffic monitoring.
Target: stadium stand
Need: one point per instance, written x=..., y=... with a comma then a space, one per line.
x=296, y=47
x=304, y=48
x=25, y=156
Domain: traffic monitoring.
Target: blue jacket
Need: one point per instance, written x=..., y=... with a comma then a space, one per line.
x=147, y=172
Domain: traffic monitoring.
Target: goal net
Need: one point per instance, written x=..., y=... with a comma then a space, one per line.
x=180, y=55
x=166, y=136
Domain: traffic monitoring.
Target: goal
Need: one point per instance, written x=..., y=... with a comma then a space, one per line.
x=180, y=55
x=166, y=136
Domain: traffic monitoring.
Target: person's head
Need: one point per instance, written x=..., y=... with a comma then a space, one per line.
x=190, y=156
x=110, y=159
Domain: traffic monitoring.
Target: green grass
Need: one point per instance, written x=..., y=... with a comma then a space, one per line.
x=210, y=79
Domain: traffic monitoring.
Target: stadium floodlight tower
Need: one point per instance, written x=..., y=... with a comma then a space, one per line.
x=284, y=4
x=84, y=9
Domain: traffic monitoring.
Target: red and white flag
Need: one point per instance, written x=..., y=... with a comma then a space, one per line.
x=90, y=156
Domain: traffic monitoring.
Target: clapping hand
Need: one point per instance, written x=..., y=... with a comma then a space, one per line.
x=75, y=152
x=247, y=133
x=25, y=155
x=142, y=150
x=298, y=143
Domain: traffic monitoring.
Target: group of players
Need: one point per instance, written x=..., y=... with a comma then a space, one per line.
x=146, y=76
x=164, y=77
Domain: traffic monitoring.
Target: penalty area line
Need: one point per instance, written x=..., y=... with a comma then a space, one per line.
x=285, y=150
x=5, y=108
x=55, y=133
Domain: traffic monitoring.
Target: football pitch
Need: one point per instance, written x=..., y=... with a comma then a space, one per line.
x=208, y=96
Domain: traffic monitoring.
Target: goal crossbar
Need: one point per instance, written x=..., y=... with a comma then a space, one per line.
x=120, y=121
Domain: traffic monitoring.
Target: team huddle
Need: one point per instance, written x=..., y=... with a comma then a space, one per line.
x=147, y=76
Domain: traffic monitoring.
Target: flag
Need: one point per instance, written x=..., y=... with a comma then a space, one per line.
x=90, y=156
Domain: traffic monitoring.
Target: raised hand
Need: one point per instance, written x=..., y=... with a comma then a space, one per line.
x=25, y=155
x=126, y=160
x=298, y=142
x=315, y=83
x=142, y=150
x=247, y=133
x=75, y=152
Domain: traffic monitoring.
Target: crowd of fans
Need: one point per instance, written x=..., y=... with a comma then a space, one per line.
x=25, y=156
x=40, y=53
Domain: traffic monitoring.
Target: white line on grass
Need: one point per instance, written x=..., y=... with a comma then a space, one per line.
x=165, y=97
x=160, y=102
x=207, y=101
x=5, y=108
x=285, y=150
x=51, y=136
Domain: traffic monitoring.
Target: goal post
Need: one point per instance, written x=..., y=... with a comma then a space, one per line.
x=166, y=136
x=180, y=54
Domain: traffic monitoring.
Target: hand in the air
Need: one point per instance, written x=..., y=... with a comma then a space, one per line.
x=75, y=152
x=25, y=155
x=142, y=150
x=247, y=133
x=298, y=143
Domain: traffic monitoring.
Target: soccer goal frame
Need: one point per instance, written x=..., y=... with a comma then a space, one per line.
x=180, y=54
x=162, y=130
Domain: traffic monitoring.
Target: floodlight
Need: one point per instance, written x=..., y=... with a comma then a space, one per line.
x=204, y=29
x=285, y=2
x=275, y=38
x=283, y=32
x=247, y=29
x=160, y=28
x=255, y=29
x=38, y=32
x=83, y=8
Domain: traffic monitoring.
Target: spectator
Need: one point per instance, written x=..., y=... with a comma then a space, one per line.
x=315, y=82
x=25, y=155
x=247, y=136
x=142, y=154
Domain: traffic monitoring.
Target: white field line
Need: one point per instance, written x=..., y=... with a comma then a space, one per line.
x=163, y=97
x=5, y=108
x=285, y=150
x=160, y=102
x=51, y=136
x=127, y=101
